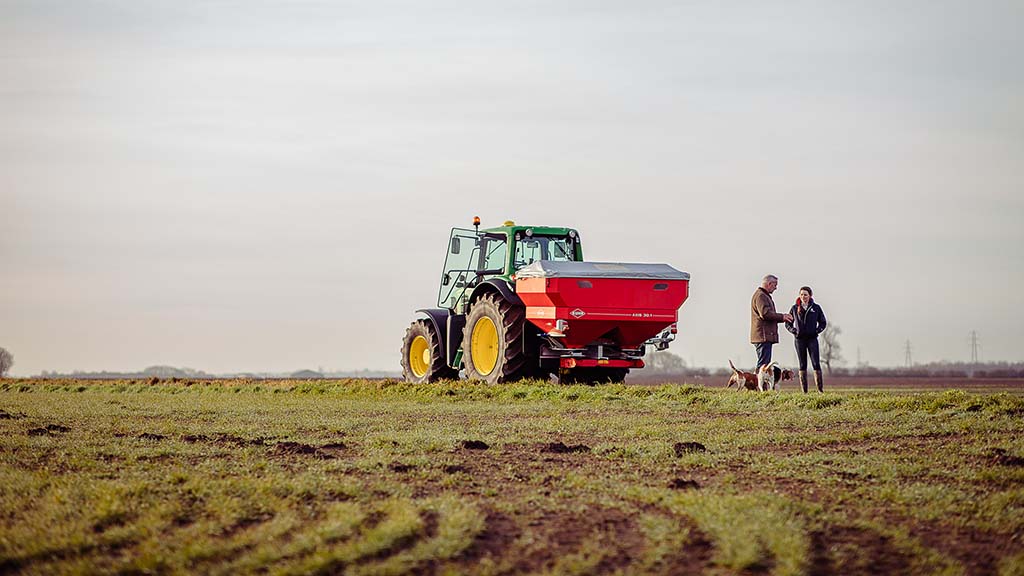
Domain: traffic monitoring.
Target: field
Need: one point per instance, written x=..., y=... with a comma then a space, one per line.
x=382, y=477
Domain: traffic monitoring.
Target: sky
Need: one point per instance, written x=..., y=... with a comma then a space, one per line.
x=267, y=186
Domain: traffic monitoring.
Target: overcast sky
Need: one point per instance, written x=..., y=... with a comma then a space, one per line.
x=269, y=186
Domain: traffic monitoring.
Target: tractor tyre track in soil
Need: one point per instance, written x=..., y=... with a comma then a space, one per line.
x=858, y=550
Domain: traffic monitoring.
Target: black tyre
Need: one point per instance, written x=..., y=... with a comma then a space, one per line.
x=492, y=341
x=591, y=376
x=423, y=359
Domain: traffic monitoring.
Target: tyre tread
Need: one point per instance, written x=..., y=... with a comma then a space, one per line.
x=439, y=369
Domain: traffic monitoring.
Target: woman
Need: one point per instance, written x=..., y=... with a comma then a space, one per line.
x=808, y=321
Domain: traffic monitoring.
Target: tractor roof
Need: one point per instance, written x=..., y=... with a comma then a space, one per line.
x=539, y=230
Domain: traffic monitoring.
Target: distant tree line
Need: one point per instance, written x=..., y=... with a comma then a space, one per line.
x=667, y=363
x=941, y=369
x=167, y=372
x=150, y=372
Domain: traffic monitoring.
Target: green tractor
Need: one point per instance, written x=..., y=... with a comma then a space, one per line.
x=518, y=302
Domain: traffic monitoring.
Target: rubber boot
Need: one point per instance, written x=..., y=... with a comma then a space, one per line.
x=818, y=380
x=803, y=380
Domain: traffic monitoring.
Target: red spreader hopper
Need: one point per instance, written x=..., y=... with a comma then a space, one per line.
x=616, y=304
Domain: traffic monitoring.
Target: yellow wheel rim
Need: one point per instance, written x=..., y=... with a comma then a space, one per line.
x=484, y=345
x=419, y=356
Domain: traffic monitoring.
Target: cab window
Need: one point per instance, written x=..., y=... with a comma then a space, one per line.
x=470, y=254
x=495, y=251
x=459, y=266
x=530, y=249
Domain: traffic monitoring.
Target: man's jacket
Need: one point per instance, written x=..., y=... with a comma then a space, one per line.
x=764, y=320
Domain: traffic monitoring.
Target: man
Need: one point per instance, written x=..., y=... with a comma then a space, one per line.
x=764, y=320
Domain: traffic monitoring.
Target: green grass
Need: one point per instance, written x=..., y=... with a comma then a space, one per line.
x=371, y=477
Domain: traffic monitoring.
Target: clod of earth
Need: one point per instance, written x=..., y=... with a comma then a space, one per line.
x=1003, y=458
x=241, y=441
x=297, y=448
x=683, y=484
x=560, y=448
x=294, y=448
x=475, y=445
x=688, y=448
x=334, y=446
x=453, y=468
x=5, y=415
x=399, y=467
x=47, y=430
x=221, y=438
x=152, y=436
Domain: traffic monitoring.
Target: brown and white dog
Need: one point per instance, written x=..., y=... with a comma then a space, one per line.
x=768, y=377
x=742, y=380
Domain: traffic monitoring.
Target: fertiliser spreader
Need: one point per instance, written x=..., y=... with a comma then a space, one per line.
x=520, y=302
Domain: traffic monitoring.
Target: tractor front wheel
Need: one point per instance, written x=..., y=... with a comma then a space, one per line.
x=492, y=341
x=423, y=359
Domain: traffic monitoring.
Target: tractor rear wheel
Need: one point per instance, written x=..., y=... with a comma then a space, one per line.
x=492, y=341
x=423, y=360
x=591, y=376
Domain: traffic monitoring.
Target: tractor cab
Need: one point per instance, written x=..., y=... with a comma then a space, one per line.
x=475, y=256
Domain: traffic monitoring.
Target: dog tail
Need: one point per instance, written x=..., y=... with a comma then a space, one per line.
x=731, y=366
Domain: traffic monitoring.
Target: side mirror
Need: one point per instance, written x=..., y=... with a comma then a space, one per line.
x=456, y=245
x=446, y=279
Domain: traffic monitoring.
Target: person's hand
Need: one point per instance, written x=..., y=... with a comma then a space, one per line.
x=787, y=317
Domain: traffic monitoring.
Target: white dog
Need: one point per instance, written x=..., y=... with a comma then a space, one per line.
x=768, y=377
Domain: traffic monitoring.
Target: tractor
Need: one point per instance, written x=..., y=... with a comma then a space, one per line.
x=519, y=302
